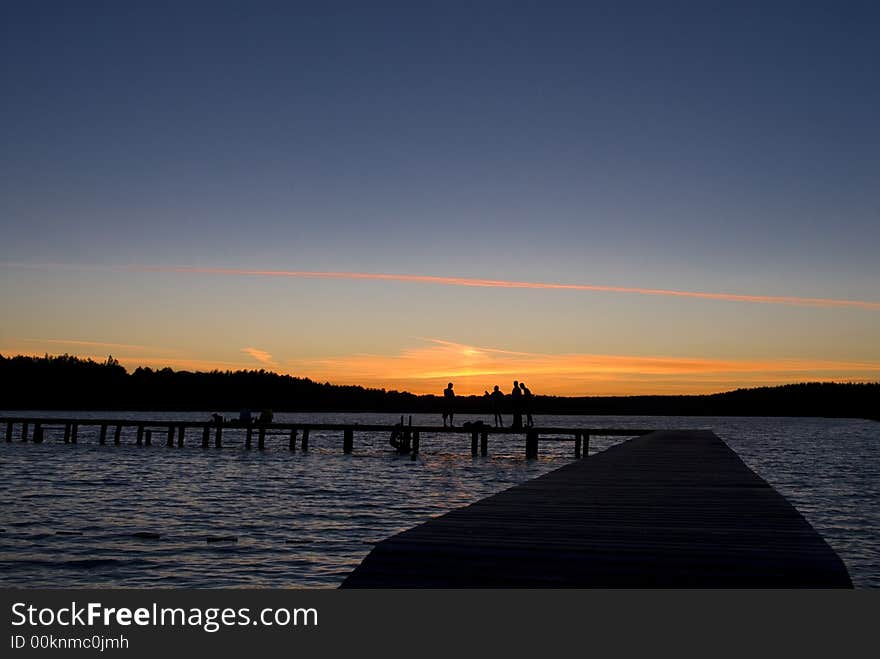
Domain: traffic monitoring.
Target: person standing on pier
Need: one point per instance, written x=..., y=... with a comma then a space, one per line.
x=496, y=398
x=527, y=404
x=448, y=405
x=516, y=400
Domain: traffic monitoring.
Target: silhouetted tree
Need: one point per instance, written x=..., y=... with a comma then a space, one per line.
x=69, y=383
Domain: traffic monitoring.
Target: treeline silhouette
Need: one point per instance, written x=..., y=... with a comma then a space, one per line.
x=71, y=383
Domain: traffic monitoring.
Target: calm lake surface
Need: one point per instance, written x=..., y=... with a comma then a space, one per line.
x=306, y=520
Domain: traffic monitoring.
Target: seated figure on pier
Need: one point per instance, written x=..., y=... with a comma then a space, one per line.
x=448, y=405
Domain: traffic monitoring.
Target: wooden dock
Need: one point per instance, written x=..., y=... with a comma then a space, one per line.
x=174, y=433
x=670, y=509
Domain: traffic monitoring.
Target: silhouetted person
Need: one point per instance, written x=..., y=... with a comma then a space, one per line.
x=497, y=400
x=516, y=403
x=527, y=404
x=448, y=405
x=266, y=416
x=217, y=418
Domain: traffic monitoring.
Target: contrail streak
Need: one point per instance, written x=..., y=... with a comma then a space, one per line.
x=480, y=283
x=501, y=283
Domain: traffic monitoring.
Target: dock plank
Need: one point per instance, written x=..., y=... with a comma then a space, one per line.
x=668, y=509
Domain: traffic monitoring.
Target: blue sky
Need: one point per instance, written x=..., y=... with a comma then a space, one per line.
x=729, y=147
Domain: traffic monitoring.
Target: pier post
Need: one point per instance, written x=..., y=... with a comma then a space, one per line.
x=261, y=438
x=117, y=435
x=474, y=442
x=305, y=440
x=577, y=445
x=248, y=436
x=170, y=440
x=292, y=443
x=74, y=429
x=9, y=431
x=206, y=436
x=348, y=440
x=24, y=431
x=102, y=435
x=531, y=444
x=181, y=431
x=38, y=433
x=484, y=444
x=67, y=433
x=218, y=437
x=148, y=437
x=415, y=442
x=586, y=445
x=140, y=434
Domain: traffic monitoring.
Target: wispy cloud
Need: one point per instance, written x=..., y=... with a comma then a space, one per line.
x=90, y=344
x=789, y=300
x=261, y=356
x=500, y=283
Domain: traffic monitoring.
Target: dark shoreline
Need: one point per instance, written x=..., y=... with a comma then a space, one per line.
x=69, y=383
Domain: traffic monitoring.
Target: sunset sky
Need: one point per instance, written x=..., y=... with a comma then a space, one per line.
x=595, y=198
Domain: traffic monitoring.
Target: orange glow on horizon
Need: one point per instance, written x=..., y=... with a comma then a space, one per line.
x=427, y=368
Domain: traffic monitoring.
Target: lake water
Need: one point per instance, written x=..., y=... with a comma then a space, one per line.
x=306, y=520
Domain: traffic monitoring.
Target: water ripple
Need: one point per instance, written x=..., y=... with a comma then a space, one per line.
x=306, y=520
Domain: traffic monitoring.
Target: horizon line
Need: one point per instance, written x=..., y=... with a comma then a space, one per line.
x=319, y=381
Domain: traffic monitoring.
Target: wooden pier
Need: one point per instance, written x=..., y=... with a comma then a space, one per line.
x=668, y=509
x=208, y=434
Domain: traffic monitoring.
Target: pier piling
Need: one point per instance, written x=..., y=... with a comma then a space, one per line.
x=532, y=444
x=407, y=437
